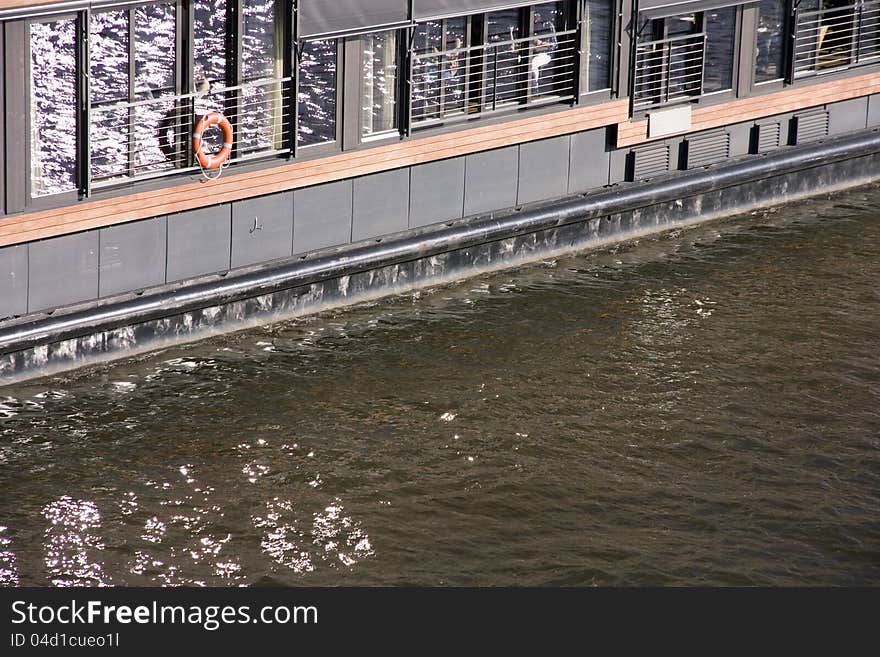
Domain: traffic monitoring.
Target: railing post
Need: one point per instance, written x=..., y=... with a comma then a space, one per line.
x=858, y=33
x=793, y=44
x=494, y=78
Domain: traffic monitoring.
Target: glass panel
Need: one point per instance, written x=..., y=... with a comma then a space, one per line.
x=427, y=75
x=600, y=27
x=546, y=67
x=682, y=24
x=260, y=124
x=108, y=51
x=455, y=65
x=379, y=83
x=155, y=50
x=869, y=32
x=109, y=130
x=209, y=44
x=317, y=92
x=52, y=107
x=504, y=68
x=720, y=33
x=769, y=55
x=259, y=58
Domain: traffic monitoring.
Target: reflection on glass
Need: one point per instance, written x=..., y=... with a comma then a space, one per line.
x=379, y=83
x=720, y=32
x=317, y=93
x=825, y=33
x=52, y=107
x=109, y=85
x=546, y=67
x=504, y=66
x=260, y=120
x=209, y=44
x=154, y=49
x=769, y=54
x=440, y=68
x=599, y=20
x=259, y=58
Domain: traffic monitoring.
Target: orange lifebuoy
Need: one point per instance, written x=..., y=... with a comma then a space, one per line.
x=206, y=160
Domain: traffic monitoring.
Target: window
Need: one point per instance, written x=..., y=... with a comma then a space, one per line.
x=720, y=49
x=496, y=61
x=260, y=120
x=318, y=89
x=599, y=23
x=440, y=68
x=133, y=88
x=52, y=82
x=669, y=60
x=770, y=50
x=379, y=83
x=680, y=58
x=835, y=34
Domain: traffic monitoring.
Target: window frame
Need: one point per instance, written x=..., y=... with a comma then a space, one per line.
x=46, y=201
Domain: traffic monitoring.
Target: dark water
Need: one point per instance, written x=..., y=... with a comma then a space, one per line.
x=699, y=408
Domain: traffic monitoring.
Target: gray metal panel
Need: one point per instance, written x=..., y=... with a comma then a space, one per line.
x=740, y=136
x=617, y=166
x=16, y=116
x=436, y=8
x=13, y=280
x=262, y=229
x=436, y=192
x=589, y=161
x=199, y=242
x=874, y=111
x=848, y=116
x=381, y=204
x=322, y=216
x=132, y=256
x=543, y=169
x=62, y=271
x=491, y=180
x=332, y=16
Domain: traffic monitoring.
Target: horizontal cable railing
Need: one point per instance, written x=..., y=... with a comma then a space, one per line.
x=835, y=38
x=468, y=82
x=152, y=137
x=668, y=70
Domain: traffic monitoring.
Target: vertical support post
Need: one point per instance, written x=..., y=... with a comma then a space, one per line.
x=408, y=87
x=83, y=91
x=292, y=65
x=792, y=44
x=185, y=108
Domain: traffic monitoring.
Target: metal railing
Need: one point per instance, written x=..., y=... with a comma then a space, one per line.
x=152, y=137
x=468, y=82
x=835, y=38
x=668, y=70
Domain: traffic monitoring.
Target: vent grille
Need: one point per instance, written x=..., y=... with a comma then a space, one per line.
x=769, y=136
x=811, y=126
x=650, y=161
x=707, y=148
